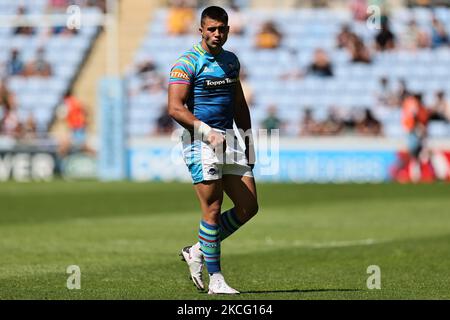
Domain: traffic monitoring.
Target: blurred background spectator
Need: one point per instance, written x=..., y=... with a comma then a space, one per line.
x=39, y=66
x=24, y=29
x=29, y=128
x=14, y=66
x=439, y=36
x=321, y=65
x=269, y=36
x=344, y=37
x=308, y=125
x=359, y=9
x=181, y=17
x=358, y=50
x=385, y=95
x=440, y=109
x=164, y=124
x=272, y=121
x=385, y=39
x=415, y=37
x=333, y=124
x=9, y=124
x=73, y=117
x=368, y=125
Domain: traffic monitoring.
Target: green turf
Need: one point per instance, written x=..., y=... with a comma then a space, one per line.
x=307, y=241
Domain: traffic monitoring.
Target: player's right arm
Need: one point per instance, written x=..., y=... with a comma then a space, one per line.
x=178, y=95
x=179, y=91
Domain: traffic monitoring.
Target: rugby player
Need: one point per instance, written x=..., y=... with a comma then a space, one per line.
x=206, y=97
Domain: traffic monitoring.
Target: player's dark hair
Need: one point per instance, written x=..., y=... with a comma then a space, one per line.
x=215, y=13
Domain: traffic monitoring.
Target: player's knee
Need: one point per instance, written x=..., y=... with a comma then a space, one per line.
x=251, y=210
x=213, y=210
x=254, y=209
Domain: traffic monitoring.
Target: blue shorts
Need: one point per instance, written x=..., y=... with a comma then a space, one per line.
x=79, y=137
x=414, y=144
x=205, y=164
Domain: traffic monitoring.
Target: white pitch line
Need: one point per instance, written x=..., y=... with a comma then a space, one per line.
x=325, y=244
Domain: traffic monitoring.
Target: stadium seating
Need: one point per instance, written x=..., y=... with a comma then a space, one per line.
x=37, y=95
x=353, y=86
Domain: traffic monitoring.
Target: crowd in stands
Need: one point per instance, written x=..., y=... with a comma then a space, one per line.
x=9, y=120
x=181, y=20
x=37, y=67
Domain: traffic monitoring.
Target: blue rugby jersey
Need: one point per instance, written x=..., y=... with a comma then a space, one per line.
x=213, y=81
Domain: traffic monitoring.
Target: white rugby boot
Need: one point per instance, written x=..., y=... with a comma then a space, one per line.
x=217, y=285
x=194, y=259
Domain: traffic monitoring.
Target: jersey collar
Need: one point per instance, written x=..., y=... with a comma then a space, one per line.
x=198, y=47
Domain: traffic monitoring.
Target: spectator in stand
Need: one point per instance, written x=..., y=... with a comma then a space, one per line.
x=414, y=37
x=385, y=39
x=23, y=29
x=368, y=125
x=415, y=121
x=9, y=122
x=272, y=121
x=64, y=31
x=149, y=78
x=29, y=128
x=97, y=3
x=358, y=50
x=58, y=6
x=180, y=17
x=439, y=36
x=440, y=110
x=309, y=126
x=164, y=124
x=76, y=118
x=269, y=37
x=40, y=66
x=73, y=116
x=14, y=66
x=359, y=10
x=321, y=65
x=401, y=93
x=7, y=99
x=333, y=125
x=10, y=125
x=344, y=37
x=385, y=96
x=146, y=66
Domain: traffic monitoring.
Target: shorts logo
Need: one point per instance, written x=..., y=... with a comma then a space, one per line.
x=179, y=74
x=212, y=171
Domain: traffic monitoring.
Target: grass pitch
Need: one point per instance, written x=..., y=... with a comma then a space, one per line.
x=307, y=241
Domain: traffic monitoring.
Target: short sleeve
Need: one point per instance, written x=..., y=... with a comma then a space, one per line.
x=182, y=71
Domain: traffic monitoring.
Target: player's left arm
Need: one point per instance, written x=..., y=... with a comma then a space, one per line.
x=243, y=122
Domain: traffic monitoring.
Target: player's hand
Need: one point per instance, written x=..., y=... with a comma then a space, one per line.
x=216, y=140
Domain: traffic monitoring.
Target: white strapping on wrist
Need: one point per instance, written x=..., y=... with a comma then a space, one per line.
x=204, y=129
